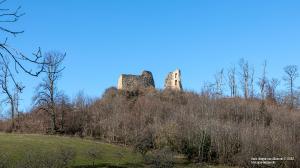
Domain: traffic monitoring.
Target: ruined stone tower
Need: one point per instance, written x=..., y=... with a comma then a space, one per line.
x=173, y=80
x=135, y=82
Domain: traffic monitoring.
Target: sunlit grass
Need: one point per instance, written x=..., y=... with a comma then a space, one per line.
x=16, y=145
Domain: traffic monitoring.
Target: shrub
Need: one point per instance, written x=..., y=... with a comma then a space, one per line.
x=66, y=155
x=144, y=143
x=198, y=148
x=93, y=154
x=162, y=158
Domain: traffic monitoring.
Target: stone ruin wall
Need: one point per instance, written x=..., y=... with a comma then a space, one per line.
x=146, y=80
x=135, y=82
x=173, y=80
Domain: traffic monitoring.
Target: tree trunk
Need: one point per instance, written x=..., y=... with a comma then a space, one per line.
x=12, y=115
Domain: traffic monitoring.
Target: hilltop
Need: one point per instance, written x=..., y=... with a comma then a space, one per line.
x=203, y=129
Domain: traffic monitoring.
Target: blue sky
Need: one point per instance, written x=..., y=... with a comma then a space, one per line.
x=105, y=38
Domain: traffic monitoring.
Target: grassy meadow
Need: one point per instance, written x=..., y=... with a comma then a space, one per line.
x=15, y=146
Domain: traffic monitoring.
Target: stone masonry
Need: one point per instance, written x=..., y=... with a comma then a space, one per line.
x=173, y=80
x=135, y=82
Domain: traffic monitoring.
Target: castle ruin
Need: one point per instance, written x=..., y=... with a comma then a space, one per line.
x=135, y=82
x=145, y=81
x=173, y=80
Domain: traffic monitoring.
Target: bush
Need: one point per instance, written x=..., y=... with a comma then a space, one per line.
x=144, y=143
x=198, y=148
x=65, y=156
x=93, y=154
x=162, y=158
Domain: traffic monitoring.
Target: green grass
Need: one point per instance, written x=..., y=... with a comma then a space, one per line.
x=16, y=145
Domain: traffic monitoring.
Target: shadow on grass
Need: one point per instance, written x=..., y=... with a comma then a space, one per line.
x=108, y=165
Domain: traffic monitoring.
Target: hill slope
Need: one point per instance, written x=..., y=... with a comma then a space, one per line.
x=16, y=146
x=19, y=146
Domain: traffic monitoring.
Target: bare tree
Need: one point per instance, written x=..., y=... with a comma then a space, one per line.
x=47, y=93
x=245, y=77
x=64, y=105
x=8, y=54
x=9, y=94
x=232, y=82
x=219, y=83
x=263, y=81
x=291, y=74
x=16, y=105
x=208, y=89
x=252, y=83
x=271, y=90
